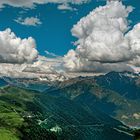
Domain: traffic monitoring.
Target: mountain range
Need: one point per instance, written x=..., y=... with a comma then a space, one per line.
x=116, y=94
x=101, y=107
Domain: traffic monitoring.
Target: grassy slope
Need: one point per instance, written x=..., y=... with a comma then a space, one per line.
x=11, y=106
x=17, y=105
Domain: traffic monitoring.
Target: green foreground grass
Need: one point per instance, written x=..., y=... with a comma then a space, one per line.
x=7, y=134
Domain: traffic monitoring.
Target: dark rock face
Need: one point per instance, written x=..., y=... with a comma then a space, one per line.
x=121, y=83
x=116, y=94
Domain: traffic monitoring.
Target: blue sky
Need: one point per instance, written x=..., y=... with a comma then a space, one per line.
x=54, y=33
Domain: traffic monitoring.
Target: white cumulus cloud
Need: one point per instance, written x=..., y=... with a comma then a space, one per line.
x=64, y=7
x=32, y=3
x=103, y=42
x=29, y=21
x=16, y=50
